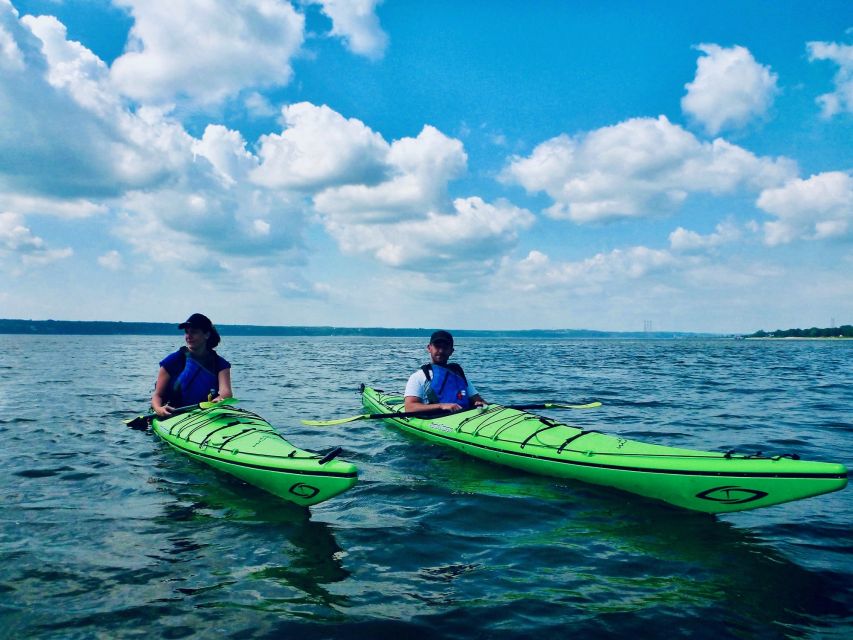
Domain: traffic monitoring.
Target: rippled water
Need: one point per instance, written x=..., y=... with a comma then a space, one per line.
x=106, y=532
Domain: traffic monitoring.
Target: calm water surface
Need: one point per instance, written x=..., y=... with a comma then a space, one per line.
x=105, y=532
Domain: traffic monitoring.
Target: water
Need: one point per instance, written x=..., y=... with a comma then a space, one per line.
x=105, y=532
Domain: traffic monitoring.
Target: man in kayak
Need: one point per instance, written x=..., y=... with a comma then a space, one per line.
x=194, y=373
x=440, y=384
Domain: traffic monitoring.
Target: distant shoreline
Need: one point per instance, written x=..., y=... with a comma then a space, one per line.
x=104, y=327
x=801, y=338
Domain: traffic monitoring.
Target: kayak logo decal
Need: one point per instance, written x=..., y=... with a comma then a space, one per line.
x=731, y=495
x=302, y=490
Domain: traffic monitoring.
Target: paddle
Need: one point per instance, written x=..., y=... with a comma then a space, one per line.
x=143, y=422
x=440, y=413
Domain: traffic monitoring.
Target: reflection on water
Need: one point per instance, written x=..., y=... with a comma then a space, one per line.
x=107, y=532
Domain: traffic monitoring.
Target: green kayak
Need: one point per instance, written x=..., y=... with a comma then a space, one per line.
x=245, y=445
x=699, y=480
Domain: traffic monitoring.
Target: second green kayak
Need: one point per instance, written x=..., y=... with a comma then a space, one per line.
x=245, y=445
x=705, y=481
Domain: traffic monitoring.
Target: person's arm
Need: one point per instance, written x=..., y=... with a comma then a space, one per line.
x=162, y=409
x=415, y=404
x=476, y=398
x=224, y=385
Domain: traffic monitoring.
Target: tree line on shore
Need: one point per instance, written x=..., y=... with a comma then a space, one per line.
x=844, y=331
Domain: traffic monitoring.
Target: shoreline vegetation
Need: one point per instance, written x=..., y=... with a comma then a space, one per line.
x=832, y=333
x=82, y=327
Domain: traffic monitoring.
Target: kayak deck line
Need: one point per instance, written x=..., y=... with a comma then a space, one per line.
x=259, y=428
x=613, y=467
x=729, y=455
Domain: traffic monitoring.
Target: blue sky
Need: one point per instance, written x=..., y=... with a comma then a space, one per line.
x=492, y=165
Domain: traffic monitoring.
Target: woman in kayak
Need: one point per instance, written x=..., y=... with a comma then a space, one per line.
x=194, y=373
x=440, y=384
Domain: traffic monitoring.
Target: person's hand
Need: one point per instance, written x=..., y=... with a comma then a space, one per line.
x=450, y=406
x=479, y=403
x=165, y=411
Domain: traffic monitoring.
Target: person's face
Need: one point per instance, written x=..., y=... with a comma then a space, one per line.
x=196, y=339
x=439, y=352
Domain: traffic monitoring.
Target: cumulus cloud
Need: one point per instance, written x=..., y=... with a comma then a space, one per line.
x=54, y=146
x=684, y=241
x=638, y=168
x=730, y=88
x=356, y=22
x=226, y=150
x=206, y=50
x=471, y=237
x=815, y=208
x=840, y=100
x=418, y=171
x=18, y=241
x=66, y=208
x=319, y=148
x=538, y=272
x=72, y=137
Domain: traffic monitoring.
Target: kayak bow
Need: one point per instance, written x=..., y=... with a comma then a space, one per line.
x=245, y=445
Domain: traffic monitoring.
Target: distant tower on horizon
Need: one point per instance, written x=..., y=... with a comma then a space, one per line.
x=647, y=326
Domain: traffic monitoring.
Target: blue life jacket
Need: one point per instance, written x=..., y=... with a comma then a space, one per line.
x=447, y=384
x=194, y=383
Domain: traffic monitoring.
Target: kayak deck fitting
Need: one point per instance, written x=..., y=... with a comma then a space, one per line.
x=706, y=481
x=245, y=445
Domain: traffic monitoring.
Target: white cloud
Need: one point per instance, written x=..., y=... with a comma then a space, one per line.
x=418, y=171
x=71, y=135
x=840, y=100
x=638, y=168
x=72, y=67
x=356, y=22
x=469, y=240
x=538, y=272
x=319, y=148
x=684, y=241
x=67, y=208
x=206, y=50
x=815, y=208
x=18, y=241
x=226, y=150
x=111, y=260
x=729, y=90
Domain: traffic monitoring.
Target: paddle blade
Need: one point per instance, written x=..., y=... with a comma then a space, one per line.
x=210, y=405
x=140, y=423
x=591, y=405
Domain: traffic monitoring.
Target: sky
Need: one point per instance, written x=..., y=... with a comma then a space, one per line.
x=679, y=166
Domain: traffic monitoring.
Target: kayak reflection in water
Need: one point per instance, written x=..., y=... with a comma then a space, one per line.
x=194, y=373
x=440, y=384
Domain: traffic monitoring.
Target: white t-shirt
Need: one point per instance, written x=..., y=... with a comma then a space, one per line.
x=418, y=385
